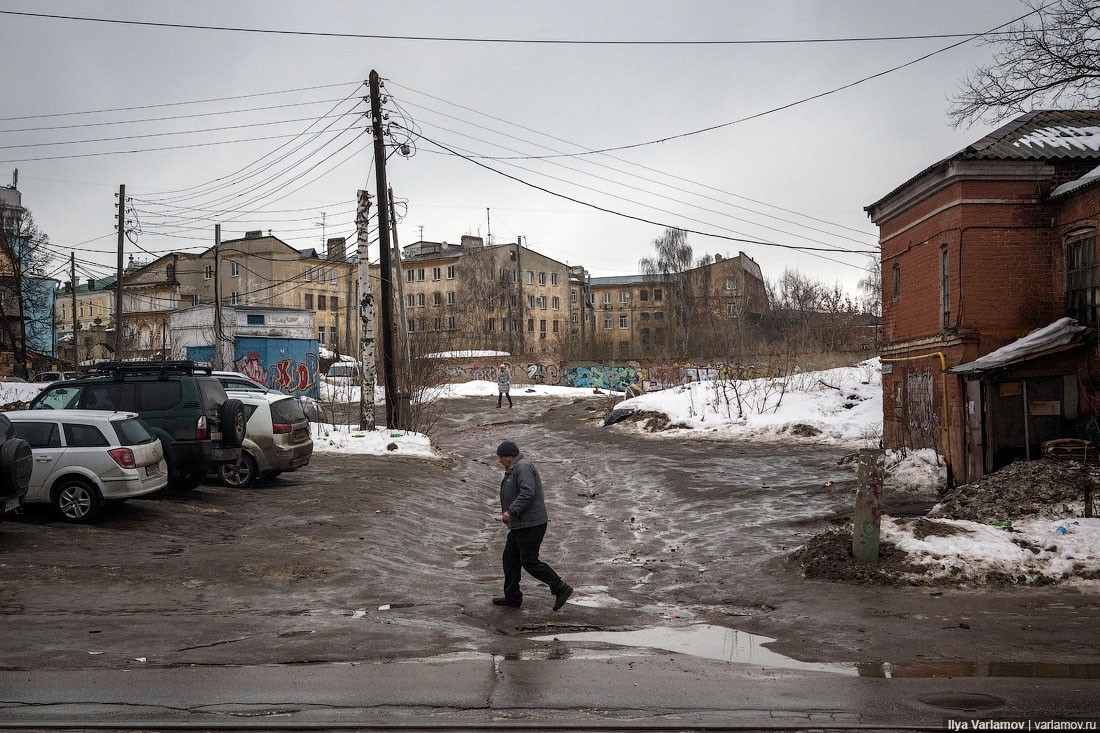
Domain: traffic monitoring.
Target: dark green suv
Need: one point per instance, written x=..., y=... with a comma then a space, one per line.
x=200, y=426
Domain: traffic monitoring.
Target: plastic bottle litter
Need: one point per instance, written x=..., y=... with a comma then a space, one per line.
x=1062, y=529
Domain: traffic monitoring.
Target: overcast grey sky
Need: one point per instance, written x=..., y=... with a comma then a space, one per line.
x=799, y=176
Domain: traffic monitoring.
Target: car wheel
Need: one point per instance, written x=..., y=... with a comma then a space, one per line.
x=77, y=501
x=240, y=474
x=233, y=423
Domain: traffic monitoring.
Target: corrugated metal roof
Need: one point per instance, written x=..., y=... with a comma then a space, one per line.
x=1054, y=337
x=1041, y=135
x=1048, y=134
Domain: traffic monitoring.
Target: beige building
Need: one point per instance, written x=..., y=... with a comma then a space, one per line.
x=469, y=296
x=701, y=312
x=260, y=269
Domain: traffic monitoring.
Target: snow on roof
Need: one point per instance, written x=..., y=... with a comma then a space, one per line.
x=1081, y=182
x=467, y=354
x=1062, y=136
x=1062, y=332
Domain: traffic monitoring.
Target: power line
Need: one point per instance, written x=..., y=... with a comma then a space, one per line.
x=536, y=41
x=174, y=104
x=639, y=218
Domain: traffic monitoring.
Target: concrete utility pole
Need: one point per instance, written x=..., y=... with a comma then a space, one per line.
x=217, y=298
x=386, y=271
x=119, y=355
x=72, y=281
x=401, y=295
x=366, y=316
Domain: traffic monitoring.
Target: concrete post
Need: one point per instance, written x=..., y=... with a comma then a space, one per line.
x=868, y=511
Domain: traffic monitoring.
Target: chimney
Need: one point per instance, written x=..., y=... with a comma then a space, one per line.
x=91, y=283
x=469, y=241
x=254, y=234
x=336, y=248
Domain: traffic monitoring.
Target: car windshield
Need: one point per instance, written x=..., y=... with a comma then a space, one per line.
x=287, y=411
x=132, y=432
x=58, y=398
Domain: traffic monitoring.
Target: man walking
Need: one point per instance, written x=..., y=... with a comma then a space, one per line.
x=523, y=510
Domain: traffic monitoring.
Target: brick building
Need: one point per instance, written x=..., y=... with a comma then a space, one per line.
x=979, y=250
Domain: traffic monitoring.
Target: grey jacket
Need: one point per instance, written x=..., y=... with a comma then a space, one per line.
x=521, y=495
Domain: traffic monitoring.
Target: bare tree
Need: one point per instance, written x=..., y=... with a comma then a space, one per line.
x=673, y=258
x=24, y=291
x=1049, y=58
x=871, y=284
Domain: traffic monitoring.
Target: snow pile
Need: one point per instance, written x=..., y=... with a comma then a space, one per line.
x=838, y=406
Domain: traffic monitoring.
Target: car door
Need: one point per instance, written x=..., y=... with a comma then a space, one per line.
x=44, y=438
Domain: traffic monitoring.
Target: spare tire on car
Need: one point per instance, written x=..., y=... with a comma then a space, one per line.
x=233, y=422
x=16, y=463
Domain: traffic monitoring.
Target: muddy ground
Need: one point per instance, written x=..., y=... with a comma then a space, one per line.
x=386, y=557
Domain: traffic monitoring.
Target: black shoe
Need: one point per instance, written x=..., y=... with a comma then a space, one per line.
x=511, y=602
x=562, y=596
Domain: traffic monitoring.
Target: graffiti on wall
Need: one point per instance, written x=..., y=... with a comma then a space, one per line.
x=602, y=376
x=919, y=391
x=286, y=375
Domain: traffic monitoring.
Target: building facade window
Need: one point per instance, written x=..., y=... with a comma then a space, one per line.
x=607, y=298
x=410, y=300
x=332, y=274
x=322, y=303
x=234, y=269
x=624, y=322
x=624, y=297
x=307, y=274
x=897, y=281
x=409, y=276
x=234, y=298
x=607, y=322
x=437, y=273
x=555, y=303
x=945, y=287
x=307, y=301
x=207, y=272
x=542, y=329
x=656, y=293
x=643, y=295
x=321, y=335
x=1082, y=295
x=542, y=278
x=437, y=298
x=450, y=297
x=553, y=278
x=450, y=272
x=541, y=302
x=333, y=303
x=420, y=274
x=420, y=301
x=530, y=325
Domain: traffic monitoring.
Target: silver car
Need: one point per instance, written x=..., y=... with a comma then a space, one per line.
x=277, y=439
x=84, y=459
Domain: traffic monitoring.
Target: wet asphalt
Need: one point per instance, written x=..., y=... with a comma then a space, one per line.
x=355, y=592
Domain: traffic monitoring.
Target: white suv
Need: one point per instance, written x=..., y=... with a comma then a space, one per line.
x=86, y=458
x=277, y=438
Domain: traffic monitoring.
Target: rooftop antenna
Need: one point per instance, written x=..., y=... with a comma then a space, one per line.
x=322, y=225
x=488, y=228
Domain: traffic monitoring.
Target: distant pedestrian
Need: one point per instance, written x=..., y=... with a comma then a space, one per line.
x=504, y=383
x=523, y=510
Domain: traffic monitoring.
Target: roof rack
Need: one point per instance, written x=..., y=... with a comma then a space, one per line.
x=182, y=366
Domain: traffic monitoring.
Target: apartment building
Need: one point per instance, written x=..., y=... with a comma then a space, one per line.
x=468, y=295
x=702, y=311
x=260, y=269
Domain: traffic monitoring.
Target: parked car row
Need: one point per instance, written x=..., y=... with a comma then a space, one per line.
x=140, y=426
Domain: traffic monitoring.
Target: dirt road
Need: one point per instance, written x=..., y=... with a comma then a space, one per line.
x=387, y=558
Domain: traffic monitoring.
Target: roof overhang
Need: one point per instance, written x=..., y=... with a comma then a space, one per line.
x=1061, y=335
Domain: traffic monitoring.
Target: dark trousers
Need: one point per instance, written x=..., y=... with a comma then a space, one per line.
x=501, y=395
x=521, y=551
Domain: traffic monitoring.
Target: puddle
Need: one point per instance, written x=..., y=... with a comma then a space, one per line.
x=740, y=647
x=708, y=642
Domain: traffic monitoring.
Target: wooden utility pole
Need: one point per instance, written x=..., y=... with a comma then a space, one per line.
x=367, y=359
x=386, y=271
x=119, y=355
x=72, y=282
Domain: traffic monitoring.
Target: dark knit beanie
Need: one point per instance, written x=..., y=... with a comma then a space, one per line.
x=507, y=448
